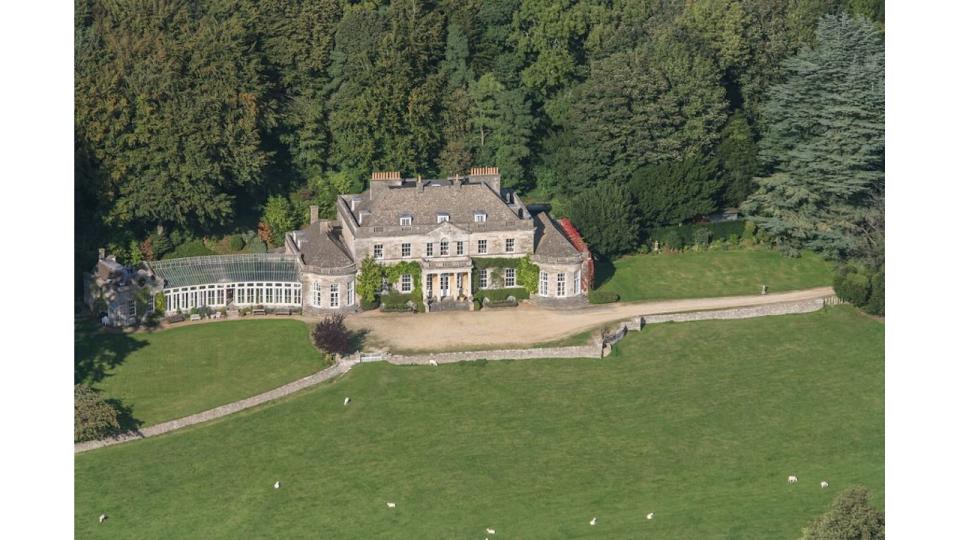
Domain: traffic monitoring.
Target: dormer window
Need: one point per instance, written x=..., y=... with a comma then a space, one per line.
x=442, y=216
x=406, y=220
x=480, y=217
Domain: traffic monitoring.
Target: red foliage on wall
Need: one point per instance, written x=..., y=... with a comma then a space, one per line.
x=574, y=235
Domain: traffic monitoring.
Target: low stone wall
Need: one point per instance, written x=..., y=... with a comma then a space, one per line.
x=339, y=368
x=593, y=350
x=785, y=308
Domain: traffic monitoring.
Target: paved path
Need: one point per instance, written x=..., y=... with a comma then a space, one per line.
x=505, y=327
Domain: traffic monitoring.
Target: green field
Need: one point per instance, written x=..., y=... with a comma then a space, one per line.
x=699, y=422
x=711, y=273
x=173, y=373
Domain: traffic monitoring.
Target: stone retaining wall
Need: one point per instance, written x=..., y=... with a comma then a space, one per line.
x=339, y=368
x=592, y=350
x=784, y=308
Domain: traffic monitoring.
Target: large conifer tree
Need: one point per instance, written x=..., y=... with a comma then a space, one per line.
x=823, y=140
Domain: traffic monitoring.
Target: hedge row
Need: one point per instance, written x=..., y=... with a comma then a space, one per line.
x=602, y=297
x=500, y=295
x=686, y=235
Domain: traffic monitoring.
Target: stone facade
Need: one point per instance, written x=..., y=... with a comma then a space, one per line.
x=441, y=225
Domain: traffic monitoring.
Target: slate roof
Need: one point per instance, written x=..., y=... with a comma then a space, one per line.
x=322, y=245
x=436, y=196
x=549, y=240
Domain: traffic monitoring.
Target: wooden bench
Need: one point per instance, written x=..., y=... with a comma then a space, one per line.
x=175, y=318
x=283, y=311
x=259, y=311
x=195, y=317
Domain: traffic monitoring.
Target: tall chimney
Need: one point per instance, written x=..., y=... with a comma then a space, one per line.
x=489, y=176
x=314, y=213
x=379, y=181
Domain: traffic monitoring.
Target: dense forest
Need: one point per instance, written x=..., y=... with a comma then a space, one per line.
x=212, y=118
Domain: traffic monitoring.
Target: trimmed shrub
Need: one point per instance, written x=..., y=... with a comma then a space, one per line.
x=875, y=305
x=396, y=301
x=93, y=416
x=603, y=297
x=367, y=305
x=497, y=296
x=644, y=249
x=672, y=239
x=331, y=335
x=255, y=245
x=749, y=230
x=701, y=236
x=235, y=242
x=853, y=286
x=191, y=248
x=678, y=236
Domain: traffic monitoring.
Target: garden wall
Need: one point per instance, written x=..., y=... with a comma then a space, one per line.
x=592, y=350
x=785, y=308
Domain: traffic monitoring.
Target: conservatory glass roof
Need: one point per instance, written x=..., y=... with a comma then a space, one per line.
x=225, y=269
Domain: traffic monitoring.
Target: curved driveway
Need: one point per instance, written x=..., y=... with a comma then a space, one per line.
x=528, y=324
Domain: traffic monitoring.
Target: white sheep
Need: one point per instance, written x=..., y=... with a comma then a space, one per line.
x=391, y=505
x=103, y=517
x=792, y=479
x=276, y=485
x=650, y=515
x=433, y=362
x=824, y=484
x=593, y=521
x=491, y=531
x=346, y=401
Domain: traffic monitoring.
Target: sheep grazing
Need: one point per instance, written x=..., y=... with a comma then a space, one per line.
x=593, y=521
x=792, y=479
x=346, y=401
x=276, y=485
x=650, y=515
x=103, y=517
x=433, y=363
x=824, y=484
x=491, y=531
x=391, y=505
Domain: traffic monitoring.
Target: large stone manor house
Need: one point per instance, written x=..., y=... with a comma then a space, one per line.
x=443, y=225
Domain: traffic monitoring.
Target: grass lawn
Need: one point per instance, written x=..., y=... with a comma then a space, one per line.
x=699, y=422
x=173, y=373
x=711, y=273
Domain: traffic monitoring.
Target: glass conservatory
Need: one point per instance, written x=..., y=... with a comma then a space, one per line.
x=249, y=279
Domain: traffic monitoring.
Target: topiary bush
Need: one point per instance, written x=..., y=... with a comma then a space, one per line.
x=603, y=297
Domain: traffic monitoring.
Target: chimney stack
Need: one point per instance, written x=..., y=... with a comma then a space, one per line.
x=489, y=176
x=379, y=181
x=314, y=213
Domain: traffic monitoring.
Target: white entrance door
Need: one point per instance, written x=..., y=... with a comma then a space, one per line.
x=444, y=285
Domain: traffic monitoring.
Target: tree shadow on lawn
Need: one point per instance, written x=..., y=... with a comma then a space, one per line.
x=98, y=350
x=603, y=271
x=125, y=417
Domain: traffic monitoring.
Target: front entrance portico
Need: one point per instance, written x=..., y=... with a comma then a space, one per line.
x=447, y=279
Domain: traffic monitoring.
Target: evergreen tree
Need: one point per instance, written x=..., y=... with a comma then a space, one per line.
x=738, y=160
x=850, y=518
x=658, y=102
x=823, y=140
x=604, y=216
x=675, y=191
